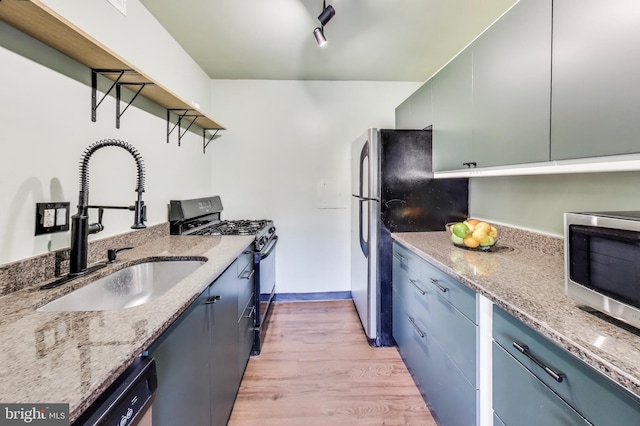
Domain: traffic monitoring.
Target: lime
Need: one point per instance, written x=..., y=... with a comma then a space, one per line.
x=460, y=230
x=456, y=240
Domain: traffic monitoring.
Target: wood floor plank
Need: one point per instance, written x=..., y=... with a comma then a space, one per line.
x=316, y=368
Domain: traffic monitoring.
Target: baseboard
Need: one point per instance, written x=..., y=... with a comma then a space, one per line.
x=329, y=295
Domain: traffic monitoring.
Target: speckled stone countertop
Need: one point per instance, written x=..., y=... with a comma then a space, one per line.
x=529, y=284
x=71, y=357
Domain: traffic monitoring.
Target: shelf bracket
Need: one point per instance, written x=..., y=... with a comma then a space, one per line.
x=94, y=86
x=118, y=97
x=183, y=114
x=205, y=142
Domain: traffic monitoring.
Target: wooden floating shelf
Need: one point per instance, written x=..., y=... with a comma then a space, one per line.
x=40, y=22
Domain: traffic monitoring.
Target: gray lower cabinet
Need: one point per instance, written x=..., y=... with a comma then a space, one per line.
x=225, y=374
x=202, y=356
x=183, y=356
x=415, y=112
x=537, y=382
x=596, y=94
x=436, y=340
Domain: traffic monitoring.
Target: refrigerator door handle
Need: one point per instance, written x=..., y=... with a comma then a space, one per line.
x=364, y=245
x=363, y=154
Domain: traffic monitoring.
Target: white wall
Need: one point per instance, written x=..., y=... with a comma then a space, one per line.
x=45, y=125
x=285, y=139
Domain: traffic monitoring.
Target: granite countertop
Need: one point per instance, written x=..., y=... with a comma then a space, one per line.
x=529, y=284
x=71, y=357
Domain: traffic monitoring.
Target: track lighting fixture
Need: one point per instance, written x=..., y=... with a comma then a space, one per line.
x=327, y=13
x=319, y=35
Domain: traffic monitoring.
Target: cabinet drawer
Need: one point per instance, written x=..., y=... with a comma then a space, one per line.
x=245, y=264
x=454, y=332
x=521, y=399
x=446, y=389
x=582, y=387
x=459, y=295
x=408, y=260
x=410, y=340
x=405, y=282
x=245, y=294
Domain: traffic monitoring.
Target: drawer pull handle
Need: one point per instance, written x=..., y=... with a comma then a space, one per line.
x=435, y=282
x=413, y=323
x=524, y=349
x=401, y=258
x=422, y=292
x=248, y=277
x=212, y=300
x=250, y=314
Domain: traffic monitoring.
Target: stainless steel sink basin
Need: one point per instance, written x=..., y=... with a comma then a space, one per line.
x=126, y=288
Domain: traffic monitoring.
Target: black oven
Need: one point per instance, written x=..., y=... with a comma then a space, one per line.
x=202, y=216
x=265, y=275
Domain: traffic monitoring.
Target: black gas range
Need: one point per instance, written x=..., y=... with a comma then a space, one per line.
x=202, y=217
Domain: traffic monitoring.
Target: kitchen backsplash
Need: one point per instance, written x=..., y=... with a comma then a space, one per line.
x=542, y=243
x=23, y=273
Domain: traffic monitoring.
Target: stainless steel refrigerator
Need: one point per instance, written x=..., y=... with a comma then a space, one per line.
x=393, y=190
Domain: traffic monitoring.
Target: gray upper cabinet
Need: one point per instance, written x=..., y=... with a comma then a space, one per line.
x=452, y=107
x=512, y=87
x=415, y=111
x=596, y=78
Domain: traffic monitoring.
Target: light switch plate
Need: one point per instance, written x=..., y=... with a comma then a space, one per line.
x=52, y=217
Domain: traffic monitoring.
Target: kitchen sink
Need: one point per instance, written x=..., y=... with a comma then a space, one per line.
x=132, y=286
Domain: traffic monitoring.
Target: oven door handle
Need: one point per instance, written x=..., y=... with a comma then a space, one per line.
x=267, y=251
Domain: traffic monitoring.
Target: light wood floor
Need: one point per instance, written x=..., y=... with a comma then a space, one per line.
x=316, y=368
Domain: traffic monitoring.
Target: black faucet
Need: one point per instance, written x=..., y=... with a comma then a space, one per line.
x=80, y=226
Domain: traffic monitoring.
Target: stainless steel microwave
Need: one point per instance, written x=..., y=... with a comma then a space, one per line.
x=602, y=262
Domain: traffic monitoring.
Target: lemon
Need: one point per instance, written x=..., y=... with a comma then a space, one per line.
x=460, y=230
x=491, y=241
x=480, y=236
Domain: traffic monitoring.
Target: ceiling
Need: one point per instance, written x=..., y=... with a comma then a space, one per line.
x=368, y=40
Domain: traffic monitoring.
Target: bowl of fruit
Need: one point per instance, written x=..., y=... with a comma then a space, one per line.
x=473, y=234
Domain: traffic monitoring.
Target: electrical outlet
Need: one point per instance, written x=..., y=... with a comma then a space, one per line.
x=52, y=217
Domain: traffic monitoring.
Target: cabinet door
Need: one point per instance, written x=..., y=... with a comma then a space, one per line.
x=596, y=91
x=452, y=108
x=512, y=87
x=520, y=399
x=415, y=112
x=182, y=357
x=225, y=376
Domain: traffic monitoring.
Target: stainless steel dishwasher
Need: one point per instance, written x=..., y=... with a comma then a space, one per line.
x=127, y=402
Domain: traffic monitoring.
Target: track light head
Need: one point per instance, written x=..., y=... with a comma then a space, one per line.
x=326, y=15
x=319, y=35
